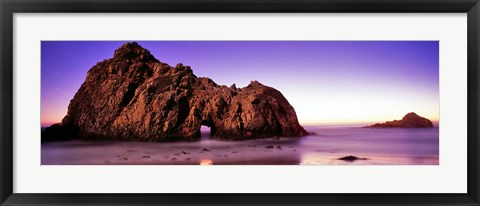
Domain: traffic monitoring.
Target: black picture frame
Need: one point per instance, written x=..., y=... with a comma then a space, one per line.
x=10, y=7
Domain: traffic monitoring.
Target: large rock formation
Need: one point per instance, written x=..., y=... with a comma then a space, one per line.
x=133, y=96
x=410, y=120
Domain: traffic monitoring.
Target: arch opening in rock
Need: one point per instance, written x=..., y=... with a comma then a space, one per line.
x=205, y=132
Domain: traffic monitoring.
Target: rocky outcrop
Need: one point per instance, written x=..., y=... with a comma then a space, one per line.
x=351, y=158
x=133, y=96
x=410, y=120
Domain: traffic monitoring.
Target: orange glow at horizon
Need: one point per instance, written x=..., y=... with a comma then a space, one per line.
x=361, y=104
x=49, y=119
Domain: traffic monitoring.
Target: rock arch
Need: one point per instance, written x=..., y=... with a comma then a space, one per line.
x=133, y=96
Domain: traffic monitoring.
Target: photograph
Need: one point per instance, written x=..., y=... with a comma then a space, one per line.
x=239, y=102
x=275, y=102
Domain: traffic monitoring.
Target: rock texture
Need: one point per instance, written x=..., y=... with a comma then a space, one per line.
x=410, y=120
x=133, y=96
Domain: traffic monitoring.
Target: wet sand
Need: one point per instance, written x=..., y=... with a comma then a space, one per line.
x=390, y=147
x=204, y=152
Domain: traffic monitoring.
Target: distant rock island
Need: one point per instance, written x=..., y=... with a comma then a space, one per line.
x=410, y=120
x=134, y=96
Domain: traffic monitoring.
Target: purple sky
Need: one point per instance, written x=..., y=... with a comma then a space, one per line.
x=325, y=81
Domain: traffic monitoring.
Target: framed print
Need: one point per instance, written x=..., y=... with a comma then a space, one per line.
x=253, y=103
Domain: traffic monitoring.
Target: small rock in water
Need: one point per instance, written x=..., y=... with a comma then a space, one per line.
x=234, y=152
x=269, y=147
x=205, y=150
x=279, y=147
x=351, y=158
x=174, y=158
x=185, y=153
x=146, y=156
x=225, y=155
x=294, y=150
x=124, y=158
x=131, y=150
x=166, y=157
x=176, y=154
x=188, y=159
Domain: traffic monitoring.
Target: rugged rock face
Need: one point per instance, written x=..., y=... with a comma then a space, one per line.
x=133, y=96
x=410, y=120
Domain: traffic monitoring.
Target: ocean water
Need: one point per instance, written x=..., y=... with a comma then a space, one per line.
x=392, y=146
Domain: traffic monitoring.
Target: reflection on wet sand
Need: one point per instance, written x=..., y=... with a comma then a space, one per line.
x=206, y=162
